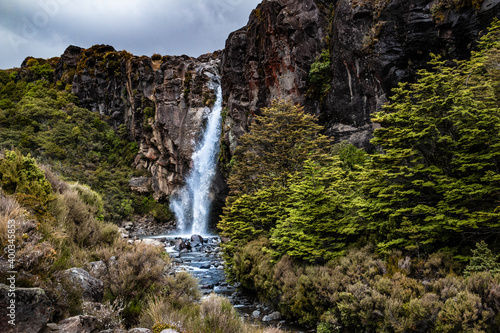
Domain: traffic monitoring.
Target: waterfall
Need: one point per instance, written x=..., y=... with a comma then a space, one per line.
x=191, y=205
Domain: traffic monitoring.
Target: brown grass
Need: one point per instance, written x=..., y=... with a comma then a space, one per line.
x=9, y=210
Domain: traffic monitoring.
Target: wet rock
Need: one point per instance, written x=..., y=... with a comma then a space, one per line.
x=266, y=319
x=128, y=226
x=179, y=245
x=33, y=310
x=225, y=239
x=197, y=239
x=92, y=288
x=79, y=324
x=207, y=286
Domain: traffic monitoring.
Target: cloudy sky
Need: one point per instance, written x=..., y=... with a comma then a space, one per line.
x=44, y=28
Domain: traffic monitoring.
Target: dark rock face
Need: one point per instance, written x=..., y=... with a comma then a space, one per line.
x=373, y=45
x=33, y=309
x=160, y=103
x=270, y=59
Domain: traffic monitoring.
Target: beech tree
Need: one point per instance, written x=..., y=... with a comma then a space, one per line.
x=318, y=224
x=278, y=143
x=276, y=147
x=437, y=183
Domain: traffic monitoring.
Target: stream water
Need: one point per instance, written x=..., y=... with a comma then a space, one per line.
x=203, y=260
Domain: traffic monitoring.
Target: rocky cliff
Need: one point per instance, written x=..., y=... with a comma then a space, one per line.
x=338, y=58
x=160, y=102
x=359, y=50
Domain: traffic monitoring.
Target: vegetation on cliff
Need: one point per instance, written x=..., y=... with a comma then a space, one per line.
x=37, y=118
x=426, y=202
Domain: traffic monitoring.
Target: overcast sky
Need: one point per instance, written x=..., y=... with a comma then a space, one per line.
x=44, y=28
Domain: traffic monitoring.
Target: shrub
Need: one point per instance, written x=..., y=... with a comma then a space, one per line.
x=107, y=314
x=90, y=197
x=156, y=57
x=9, y=210
x=136, y=271
x=20, y=174
x=463, y=313
x=253, y=268
x=219, y=316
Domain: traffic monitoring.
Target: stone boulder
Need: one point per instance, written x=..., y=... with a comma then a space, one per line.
x=180, y=245
x=92, y=288
x=197, y=239
x=33, y=309
x=97, y=269
x=79, y=324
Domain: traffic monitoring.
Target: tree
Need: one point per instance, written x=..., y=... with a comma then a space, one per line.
x=437, y=182
x=482, y=260
x=279, y=142
x=318, y=224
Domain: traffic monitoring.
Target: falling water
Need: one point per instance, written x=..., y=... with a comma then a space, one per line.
x=191, y=205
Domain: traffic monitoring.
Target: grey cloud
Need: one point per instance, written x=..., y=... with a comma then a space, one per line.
x=44, y=28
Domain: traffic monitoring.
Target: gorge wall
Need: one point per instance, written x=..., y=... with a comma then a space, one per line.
x=359, y=50
x=370, y=45
x=160, y=102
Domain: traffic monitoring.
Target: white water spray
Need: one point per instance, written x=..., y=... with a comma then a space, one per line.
x=191, y=205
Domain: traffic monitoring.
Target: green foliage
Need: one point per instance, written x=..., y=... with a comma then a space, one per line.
x=252, y=266
x=437, y=181
x=21, y=174
x=320, y=76
x=63, y=231
x=78, y=142
x=251, y=216
x=317, y=225
x=483, y=260
x=279, y=142
x=434, y=186
x=278, y=145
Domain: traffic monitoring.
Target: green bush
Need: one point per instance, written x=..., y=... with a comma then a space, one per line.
x=483, y=260
x=20, y=174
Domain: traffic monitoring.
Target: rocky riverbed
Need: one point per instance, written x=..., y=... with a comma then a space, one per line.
x=202, y=257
